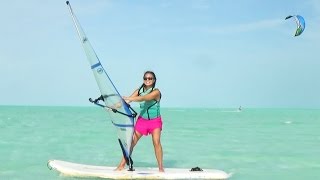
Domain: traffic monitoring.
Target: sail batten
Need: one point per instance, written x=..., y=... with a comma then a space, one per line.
x=95, y=65
x=122, y=115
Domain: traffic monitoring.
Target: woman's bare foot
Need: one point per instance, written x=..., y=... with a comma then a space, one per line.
x=161, y=170
x=119, y=168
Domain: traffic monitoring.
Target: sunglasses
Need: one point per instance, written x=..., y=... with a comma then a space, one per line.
x=147, y=78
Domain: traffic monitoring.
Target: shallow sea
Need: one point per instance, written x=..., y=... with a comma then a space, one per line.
x=254, y=144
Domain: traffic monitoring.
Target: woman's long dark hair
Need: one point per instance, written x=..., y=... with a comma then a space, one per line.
x=154, y=83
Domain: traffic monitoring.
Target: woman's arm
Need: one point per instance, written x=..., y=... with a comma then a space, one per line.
x=134, y=94
x=154, y=95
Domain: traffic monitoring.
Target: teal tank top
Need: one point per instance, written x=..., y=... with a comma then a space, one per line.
x=149, y=109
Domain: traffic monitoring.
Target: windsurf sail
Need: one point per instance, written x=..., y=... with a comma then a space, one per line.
x=300, y=24
x=121, y=114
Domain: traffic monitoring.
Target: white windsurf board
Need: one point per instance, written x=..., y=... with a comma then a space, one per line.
x=81, y=170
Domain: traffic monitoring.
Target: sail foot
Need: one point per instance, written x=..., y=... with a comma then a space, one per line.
x=127, y=157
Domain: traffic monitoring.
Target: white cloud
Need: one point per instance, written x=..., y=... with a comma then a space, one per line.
x=237, y=28
x=247, y=27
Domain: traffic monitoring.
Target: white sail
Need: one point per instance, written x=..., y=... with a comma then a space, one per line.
x=122, y=115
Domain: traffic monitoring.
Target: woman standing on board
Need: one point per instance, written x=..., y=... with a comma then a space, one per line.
x=149, y=120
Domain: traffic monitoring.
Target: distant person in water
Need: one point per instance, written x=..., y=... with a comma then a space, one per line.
x=149, y=120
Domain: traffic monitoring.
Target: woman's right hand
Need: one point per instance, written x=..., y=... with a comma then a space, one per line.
x=126, y=99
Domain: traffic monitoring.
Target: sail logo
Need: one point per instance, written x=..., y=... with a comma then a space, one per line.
x=100, y=70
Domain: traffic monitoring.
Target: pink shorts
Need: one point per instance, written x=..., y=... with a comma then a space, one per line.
x=146, y=127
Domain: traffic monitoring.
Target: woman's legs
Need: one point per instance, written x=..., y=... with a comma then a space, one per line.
x=136, y=137
x=156, y=134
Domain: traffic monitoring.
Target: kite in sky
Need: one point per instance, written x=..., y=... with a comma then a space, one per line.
x=300, y=23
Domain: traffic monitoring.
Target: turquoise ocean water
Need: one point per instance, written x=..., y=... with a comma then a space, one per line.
x=254, y=144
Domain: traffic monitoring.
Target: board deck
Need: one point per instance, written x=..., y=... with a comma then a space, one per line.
x=91, y=171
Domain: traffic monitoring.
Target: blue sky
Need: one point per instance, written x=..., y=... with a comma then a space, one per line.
x=206, y=53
